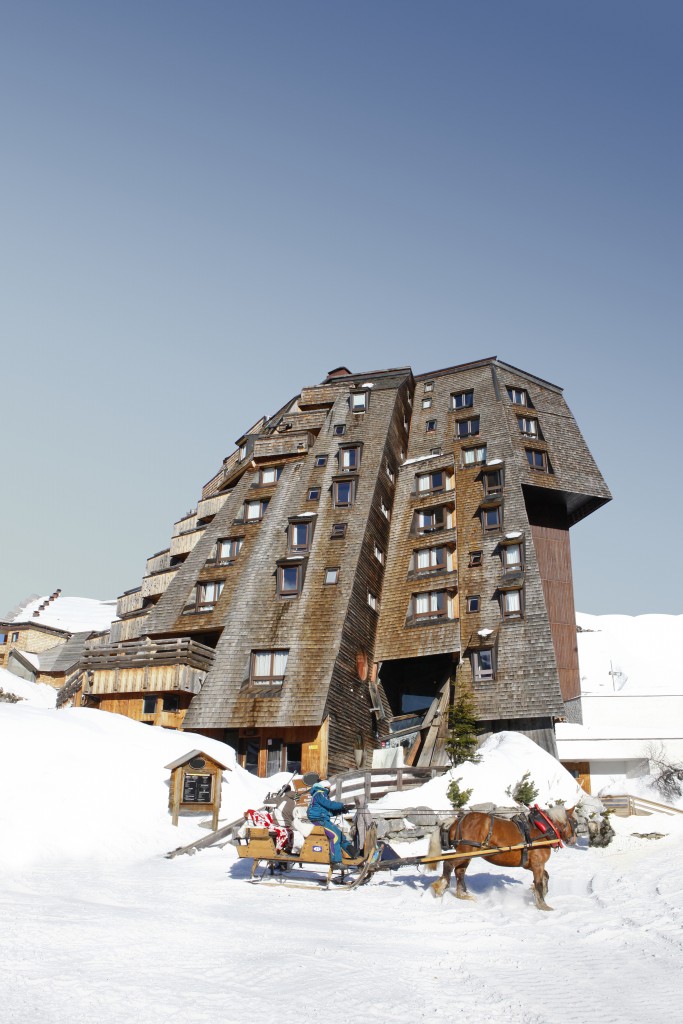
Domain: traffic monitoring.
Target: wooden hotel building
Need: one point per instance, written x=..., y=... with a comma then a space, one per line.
x=381, y=539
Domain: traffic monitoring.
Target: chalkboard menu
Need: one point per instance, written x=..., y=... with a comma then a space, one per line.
x=197, y=789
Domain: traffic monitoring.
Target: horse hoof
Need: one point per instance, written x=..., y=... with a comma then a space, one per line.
x=465, y=896
x=437, y=889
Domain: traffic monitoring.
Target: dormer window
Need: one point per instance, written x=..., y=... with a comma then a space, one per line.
x=538, y=460
x=299, y=535
x=203, y=597
x=467, y=428
x=254, y=511
x=430, y=426
x=359, y=401
x=343, y=493
x=270, y=475
x=268, y=667
x=491, y=519
x=436, y=559
x=432, y=605
x=518, y=396
x=427, y=402
x=321, y=460
x=349, y=459
x=493, y=482
x=512, y=604
x=289, y=579
x=339, y=429
x=428, y=386
x=430, y=520
x=433, y=483
x=513, y=558
x=228, y=549
x=482, y=665
x=474, y=456
x=528, y=425
x=462, y=400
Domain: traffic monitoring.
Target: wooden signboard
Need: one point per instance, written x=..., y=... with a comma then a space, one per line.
x=196, y=785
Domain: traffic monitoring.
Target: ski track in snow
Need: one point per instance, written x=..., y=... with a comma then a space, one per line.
x=190, y=940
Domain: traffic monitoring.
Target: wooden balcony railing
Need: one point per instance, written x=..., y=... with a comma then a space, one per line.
x=129, y=602
x=158, y=584
x=143, y=653
x=184, y=542
x=159, y=562
x=291, y=443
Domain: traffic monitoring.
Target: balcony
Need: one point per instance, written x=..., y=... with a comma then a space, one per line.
x=276, y=445
x=209, y=506
x=184, y=542
x=129, y=602
x=157, y=584
x=159, y=562
x=179, y=664
x=321, y=396
x=184, y=525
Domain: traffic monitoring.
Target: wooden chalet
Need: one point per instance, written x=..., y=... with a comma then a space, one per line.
x=380, y=539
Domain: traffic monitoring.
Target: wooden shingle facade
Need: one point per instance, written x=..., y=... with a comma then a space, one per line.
x=380, y=539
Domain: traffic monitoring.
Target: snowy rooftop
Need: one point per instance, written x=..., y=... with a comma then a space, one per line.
x=73, y=614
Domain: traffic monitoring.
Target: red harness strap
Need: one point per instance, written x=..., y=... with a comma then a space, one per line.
x=545, y=825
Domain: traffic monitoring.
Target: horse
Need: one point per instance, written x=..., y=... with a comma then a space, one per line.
x=476, y=831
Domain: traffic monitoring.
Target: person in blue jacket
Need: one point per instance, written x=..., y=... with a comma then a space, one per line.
x=320, y=812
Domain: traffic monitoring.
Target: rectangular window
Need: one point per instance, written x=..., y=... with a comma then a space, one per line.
x=389, y=471
x=149, y=705
x=228, y=549
x=518, y=396
x=339, y=429
x=431, y=520
x=3, y=638
x=475, y=557
x=430, y=559
x=343, y=493
x=359, y=401
x=428, y=386
x=254, y=511
x=385, y=510
x=462, y=400
x=338, y=530
x=493, y=482
x=431, y=605
x=512, y=557
x=467, y=428
x=289, y=580
x=271, y=475
x=372, y=600
x=15, y=638
x=331, y=577
x=474, y=456
x=204, y=597
x=473, y=603
x=430, y=426
x=512, y=604
x=432, y=483
x=426, y=403
x=482, y=665
x=349, y=459
x=243, y=452
x=491, y=519
x=321, y=460
x=379, y=554
x=538, y=460
x=299, y=536
x=170, y=702
x=314, y=494
x=268, y=667
x=528, y=426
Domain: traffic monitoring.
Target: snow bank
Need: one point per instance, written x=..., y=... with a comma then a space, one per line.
x=505, y=757
x=630, y=653
x=83, y=784
x=74, y=614
x=39, y=695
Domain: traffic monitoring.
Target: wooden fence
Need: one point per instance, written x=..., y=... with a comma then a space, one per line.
x=626, y=805
x=374, y=783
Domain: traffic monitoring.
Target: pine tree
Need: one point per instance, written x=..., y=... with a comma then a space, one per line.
x=462, y=743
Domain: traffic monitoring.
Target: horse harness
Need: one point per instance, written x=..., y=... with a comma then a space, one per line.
x=534, y=817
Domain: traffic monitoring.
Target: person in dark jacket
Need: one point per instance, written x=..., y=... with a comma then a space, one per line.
x=320, y=812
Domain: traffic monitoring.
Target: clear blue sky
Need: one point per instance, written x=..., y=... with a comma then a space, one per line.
x=207, y=205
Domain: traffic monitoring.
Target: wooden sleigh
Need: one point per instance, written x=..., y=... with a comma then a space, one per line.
x=259, y=846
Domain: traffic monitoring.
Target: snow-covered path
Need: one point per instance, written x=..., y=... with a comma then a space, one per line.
x=190, y=940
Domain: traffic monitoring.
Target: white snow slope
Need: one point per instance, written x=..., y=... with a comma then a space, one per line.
x=100, y=928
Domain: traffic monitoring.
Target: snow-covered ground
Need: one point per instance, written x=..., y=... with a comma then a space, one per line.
x=100, y=928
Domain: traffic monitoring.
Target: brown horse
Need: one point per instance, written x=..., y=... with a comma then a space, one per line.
x=473, y=831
